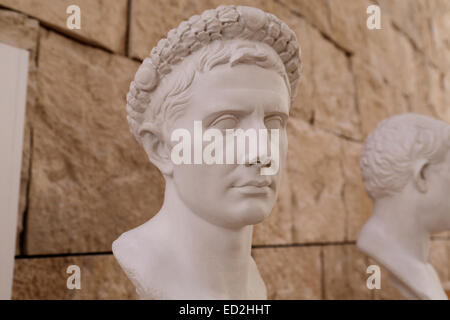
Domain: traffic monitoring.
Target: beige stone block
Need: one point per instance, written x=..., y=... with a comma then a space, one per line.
x=409, y=16
x=397, y=81
x=438, y=43
x=358, y=205
x=439, y=93
x=348, y=23
x=152, y=20
x=90, y=179
x=334, y=94
x=345, y=274
x=393, y=56
x=19, y=31
x=439, y=257
x=315, y=12
x=46, y=279
x=316, y=184
x=389, y=50
x=376, y=98
x=426, y=23
x=401, y=59
x=326, y=90
x=305, y=103
x=103, y=22
x=290, y=273
x=22, y=32
x=432, y=94
x=344, y=22
x=427, y=97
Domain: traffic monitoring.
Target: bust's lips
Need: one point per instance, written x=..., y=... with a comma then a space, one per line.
x=254, y=190
x=254, y=183
x=257, y=186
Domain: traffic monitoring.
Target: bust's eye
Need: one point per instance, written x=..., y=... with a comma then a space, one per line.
x=274, y=122
x=224, y=122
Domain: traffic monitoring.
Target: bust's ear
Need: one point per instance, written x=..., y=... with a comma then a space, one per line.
x=421, y=176
x=157, y=150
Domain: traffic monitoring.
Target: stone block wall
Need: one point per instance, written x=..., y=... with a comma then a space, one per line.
x=85, y=180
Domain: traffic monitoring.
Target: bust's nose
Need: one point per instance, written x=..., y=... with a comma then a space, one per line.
x=261, y=160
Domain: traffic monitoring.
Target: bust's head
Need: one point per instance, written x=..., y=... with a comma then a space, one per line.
x=409, y=155
x=230, y=68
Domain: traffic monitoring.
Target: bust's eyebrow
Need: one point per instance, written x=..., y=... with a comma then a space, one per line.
x=214, y=115
x=283, y=114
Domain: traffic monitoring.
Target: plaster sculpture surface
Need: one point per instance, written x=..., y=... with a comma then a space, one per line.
x=230, y=67
x=406, y=169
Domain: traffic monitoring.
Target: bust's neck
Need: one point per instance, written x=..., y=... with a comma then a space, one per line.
x=214, y=259
x=395, y=238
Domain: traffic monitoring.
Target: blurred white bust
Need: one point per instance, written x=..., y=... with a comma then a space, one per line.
x=232, y=67
x=406, y=169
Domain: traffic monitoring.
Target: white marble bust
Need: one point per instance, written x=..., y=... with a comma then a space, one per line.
x=231, y=67
x=406, y=169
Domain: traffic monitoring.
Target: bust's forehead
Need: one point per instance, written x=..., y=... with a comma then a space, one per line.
x=243, y=80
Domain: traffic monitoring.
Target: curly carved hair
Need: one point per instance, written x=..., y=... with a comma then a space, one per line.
x=391, y=150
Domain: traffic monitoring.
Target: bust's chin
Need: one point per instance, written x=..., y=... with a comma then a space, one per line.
x=239, y=216
x=254, y=212
x=256, y=216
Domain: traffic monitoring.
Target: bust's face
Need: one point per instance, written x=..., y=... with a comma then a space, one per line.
x=436, y=201
x=242, y=96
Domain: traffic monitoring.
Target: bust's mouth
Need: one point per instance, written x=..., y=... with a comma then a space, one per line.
x=253, y=190
x=254, y=183
x=254, y=187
